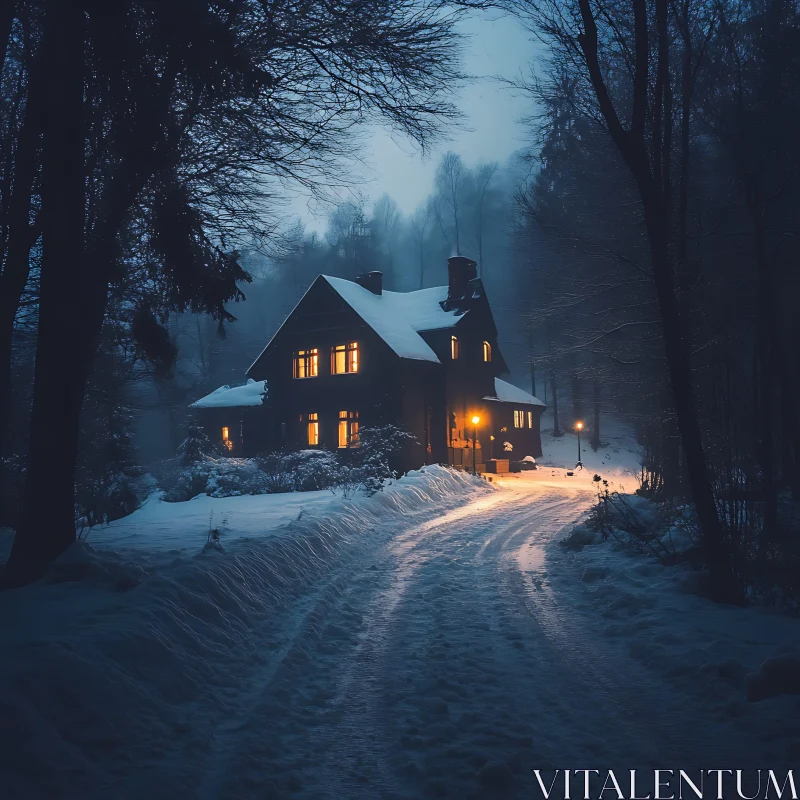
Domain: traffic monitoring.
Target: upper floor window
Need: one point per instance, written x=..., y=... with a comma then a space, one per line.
x=454, y=347
x=523, y=419
x=344, y=358
x=306, y=363
x=487, y=351
x=312, y=428
x=348, y=429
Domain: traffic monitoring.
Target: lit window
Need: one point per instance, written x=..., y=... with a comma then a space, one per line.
x=530, y=419
x=306, y=363
x=313, y=429
x=344, y=358
x=454, y=348
x=226, y=439
x=487, y=351
x=348, y=429
x=519, y=418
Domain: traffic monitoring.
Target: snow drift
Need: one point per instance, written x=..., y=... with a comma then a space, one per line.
x=106, y=660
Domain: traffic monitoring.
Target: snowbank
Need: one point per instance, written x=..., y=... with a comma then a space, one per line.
x=739, y=665
x=104, y=662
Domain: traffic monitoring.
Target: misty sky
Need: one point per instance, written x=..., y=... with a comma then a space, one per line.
x=491, y=130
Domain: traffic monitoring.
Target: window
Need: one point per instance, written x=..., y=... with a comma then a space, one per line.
x=313, y=428
x=454, y=348
x=344, y=358
x=306, y=363
x=487, y=351
x=523, y=419
x=226, y=439
x=348, y=429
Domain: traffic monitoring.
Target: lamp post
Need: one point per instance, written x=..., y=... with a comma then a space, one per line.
x=579, y=428
x=475, y=420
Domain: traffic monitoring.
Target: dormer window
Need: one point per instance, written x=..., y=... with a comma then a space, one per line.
x=344, y=358
x=306, y=363
x=454, y=348
x=487, y=351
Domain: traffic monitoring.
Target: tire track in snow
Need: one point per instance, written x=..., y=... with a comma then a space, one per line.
x=661, y=713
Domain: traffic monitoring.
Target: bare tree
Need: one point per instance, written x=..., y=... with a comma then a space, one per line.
x=449, y=183
x=590, y=36
x=483, y=176
x=419, y=225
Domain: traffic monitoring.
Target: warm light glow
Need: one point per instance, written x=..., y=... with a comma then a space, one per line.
x=348, y=429
x=454, y=348
x=313, y=429
x=476, y=419
x=344, y=358
x=487, y=351
x=306, y=363
x=226, y=439
x=579, y=426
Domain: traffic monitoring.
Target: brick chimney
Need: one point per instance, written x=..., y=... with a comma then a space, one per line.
x=372, y=281
x=461, y=271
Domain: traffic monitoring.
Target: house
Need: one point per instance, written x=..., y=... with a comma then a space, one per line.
x=351, y=355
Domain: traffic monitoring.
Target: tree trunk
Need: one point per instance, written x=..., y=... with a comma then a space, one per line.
x=48, y=524
x=679, y=366
x=595, y=442
x=533, y=378
x=556, y=430
x=21, y=237
x=766, y=357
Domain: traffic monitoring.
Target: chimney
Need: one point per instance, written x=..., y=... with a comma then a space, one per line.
x=372, y=281
x=461, y=271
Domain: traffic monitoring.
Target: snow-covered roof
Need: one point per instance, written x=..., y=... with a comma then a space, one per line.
x=508, y=393
x=397, y=317
x=251, y=394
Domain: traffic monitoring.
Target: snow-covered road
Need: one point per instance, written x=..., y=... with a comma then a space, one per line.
x=431, y=641
x=450, y=666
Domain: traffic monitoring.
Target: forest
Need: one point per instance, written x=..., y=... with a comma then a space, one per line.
x=641, y=252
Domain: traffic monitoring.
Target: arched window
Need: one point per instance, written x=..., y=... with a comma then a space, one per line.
x=487, y=351
x=454, y=348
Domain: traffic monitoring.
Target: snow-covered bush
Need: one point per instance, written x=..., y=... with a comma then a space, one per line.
x=102, y=499
x=216, y=477
x=197, y=446
x=312, y=470
x=370, y=467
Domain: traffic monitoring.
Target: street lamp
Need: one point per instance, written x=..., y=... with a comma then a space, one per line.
x=475, y=420
x=579, y=428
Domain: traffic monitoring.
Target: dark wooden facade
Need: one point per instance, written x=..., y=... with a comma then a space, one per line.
x=433, y=400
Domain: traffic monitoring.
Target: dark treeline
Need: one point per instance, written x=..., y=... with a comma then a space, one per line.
x=140, y=145
x=667, y=206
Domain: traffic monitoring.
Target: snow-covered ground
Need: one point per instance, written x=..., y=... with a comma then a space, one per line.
x=435, y=640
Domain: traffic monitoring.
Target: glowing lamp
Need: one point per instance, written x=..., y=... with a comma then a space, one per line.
x=476, y=419
x=579, y=425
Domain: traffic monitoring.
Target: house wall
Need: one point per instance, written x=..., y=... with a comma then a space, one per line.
x=524, y=441
x=385, y=388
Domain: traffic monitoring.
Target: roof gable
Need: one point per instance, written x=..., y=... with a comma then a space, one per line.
x=397, y=318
